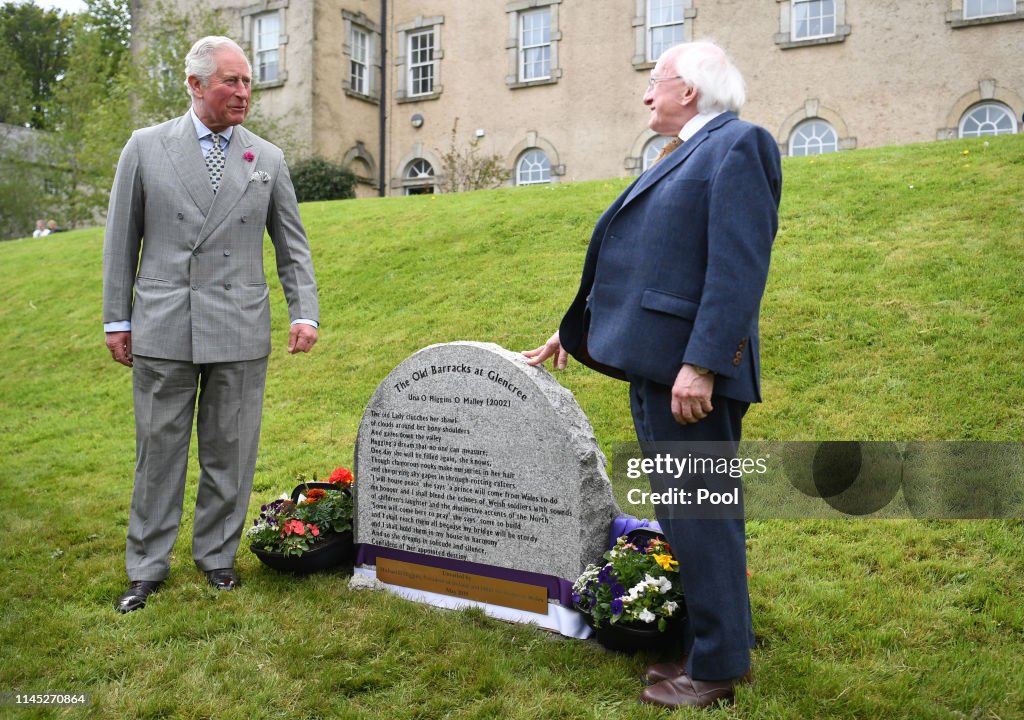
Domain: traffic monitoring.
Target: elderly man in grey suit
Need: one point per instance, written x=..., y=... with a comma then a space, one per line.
x=186, y=306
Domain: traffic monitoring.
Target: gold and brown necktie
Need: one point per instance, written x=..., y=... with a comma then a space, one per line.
x=669, y=147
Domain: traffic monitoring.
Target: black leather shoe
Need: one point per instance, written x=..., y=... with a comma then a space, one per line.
x=223, y=579
x=134, y=598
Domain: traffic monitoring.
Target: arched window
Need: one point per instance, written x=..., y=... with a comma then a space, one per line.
x=652, y=148
x=533, y=168
x=419, y=178
x=988, y=119
x=813, y=137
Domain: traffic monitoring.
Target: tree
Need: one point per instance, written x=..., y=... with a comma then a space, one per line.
x=465, y=169
x=38, y=43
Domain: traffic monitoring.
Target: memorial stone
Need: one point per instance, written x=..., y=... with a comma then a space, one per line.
x=467, y=453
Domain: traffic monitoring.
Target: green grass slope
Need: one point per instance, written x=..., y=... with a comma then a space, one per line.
x=893, y=311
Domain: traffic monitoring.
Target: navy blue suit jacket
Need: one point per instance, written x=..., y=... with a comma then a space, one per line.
x=677, y=265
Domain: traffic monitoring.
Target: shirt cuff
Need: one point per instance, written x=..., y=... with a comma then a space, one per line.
x=119, y=326
x=304, y=321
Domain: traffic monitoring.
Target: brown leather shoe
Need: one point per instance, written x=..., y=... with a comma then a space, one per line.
x=664, y=671
x=687, y=692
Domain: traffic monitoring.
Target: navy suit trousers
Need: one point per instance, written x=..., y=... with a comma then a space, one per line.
x=718, y=633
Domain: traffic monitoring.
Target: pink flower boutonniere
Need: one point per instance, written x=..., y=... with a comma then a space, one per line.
x=249, y=157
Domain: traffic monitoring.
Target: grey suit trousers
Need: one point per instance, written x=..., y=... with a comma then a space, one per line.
x=230, y=409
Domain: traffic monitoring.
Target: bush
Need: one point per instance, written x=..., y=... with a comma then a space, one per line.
x=320, y=179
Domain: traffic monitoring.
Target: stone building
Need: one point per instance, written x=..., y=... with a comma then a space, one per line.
x=554, y=87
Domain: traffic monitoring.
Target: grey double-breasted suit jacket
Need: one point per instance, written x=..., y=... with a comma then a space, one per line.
x=185, y=265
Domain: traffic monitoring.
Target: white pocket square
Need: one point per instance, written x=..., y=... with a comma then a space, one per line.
x=260, y=175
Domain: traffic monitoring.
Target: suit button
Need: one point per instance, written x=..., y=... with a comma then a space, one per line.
x=181, y=216
x=227, y=286
x=195, y=287
x=244, y=218
x=227, y=252
x=196, y=251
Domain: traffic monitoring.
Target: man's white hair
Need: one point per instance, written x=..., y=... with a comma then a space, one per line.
x=706, y=67
x=200, y=62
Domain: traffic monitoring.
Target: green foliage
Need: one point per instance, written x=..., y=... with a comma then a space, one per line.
x=293, y=528
x=638, y=583
x=892, y=312
x=37, y=42
x=319, y=179
x=464, y=169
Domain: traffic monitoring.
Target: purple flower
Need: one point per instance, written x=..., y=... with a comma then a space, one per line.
x=616, y=607
x=618, y=590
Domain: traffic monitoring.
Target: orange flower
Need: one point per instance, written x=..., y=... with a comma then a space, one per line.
x=342, y=476
x=315, y=494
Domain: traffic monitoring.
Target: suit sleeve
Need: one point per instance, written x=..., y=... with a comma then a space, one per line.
x=291, y=248
x=123, y=237
x=742, y=222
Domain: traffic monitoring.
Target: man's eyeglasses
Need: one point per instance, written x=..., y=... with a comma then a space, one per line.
x=650, y=83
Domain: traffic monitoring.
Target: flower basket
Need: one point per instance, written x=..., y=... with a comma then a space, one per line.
x=311, y=531
x=334, y=550
x=634, y=601
x=632, y=637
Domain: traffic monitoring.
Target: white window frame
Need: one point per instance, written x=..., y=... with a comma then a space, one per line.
x=260, y=51
x=817, y=123
x=543, y=47
x=405, y=68
x=653, y=56
x=979, y=12
x=359, y=76
x=651, y=150
x=795, y=15
x=419, y=175
x=540, y=165
x=988, y=107
x=418, y=44
x=787, y=37
x=517, y=50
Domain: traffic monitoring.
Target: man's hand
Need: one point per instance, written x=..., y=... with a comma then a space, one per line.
x=120, y=346
x=552, y=347
x=691, y=395
x=302, y=338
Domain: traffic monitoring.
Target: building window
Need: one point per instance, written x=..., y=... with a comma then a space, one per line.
x=813, y=19
x=988, y=119
x=664, y=26
x=532, y=43
x=811, y=22
x=419, y=67
x=359, y=61
x=535, y=45
x=813, y=137
x=533, y=168
x=988, y=8
x=419, y=178
x=266, y=44
x=421, y=63
x=652, y=148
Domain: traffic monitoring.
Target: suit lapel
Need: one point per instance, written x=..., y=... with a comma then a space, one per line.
x=186, y=157
x=676, y=158
x=233, y=183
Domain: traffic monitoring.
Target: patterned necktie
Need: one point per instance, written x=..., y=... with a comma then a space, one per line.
x=215, y=162
x=669, y=147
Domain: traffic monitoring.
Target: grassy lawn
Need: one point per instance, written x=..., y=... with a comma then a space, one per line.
x=893, y=312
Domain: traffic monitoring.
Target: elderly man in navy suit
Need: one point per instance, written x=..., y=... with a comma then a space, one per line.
x=669, y=301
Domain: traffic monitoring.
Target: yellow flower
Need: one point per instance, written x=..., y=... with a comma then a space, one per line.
x=666, y=562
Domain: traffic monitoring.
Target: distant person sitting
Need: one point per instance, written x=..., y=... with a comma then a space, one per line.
x=40, y=229
x=51, y=227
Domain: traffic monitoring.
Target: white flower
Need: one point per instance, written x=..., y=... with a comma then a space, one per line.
x=670, y=607
x=646, y=616
x=663, y=584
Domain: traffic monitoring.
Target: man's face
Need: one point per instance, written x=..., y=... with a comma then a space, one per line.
x=224, y=101
x=671, y=100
